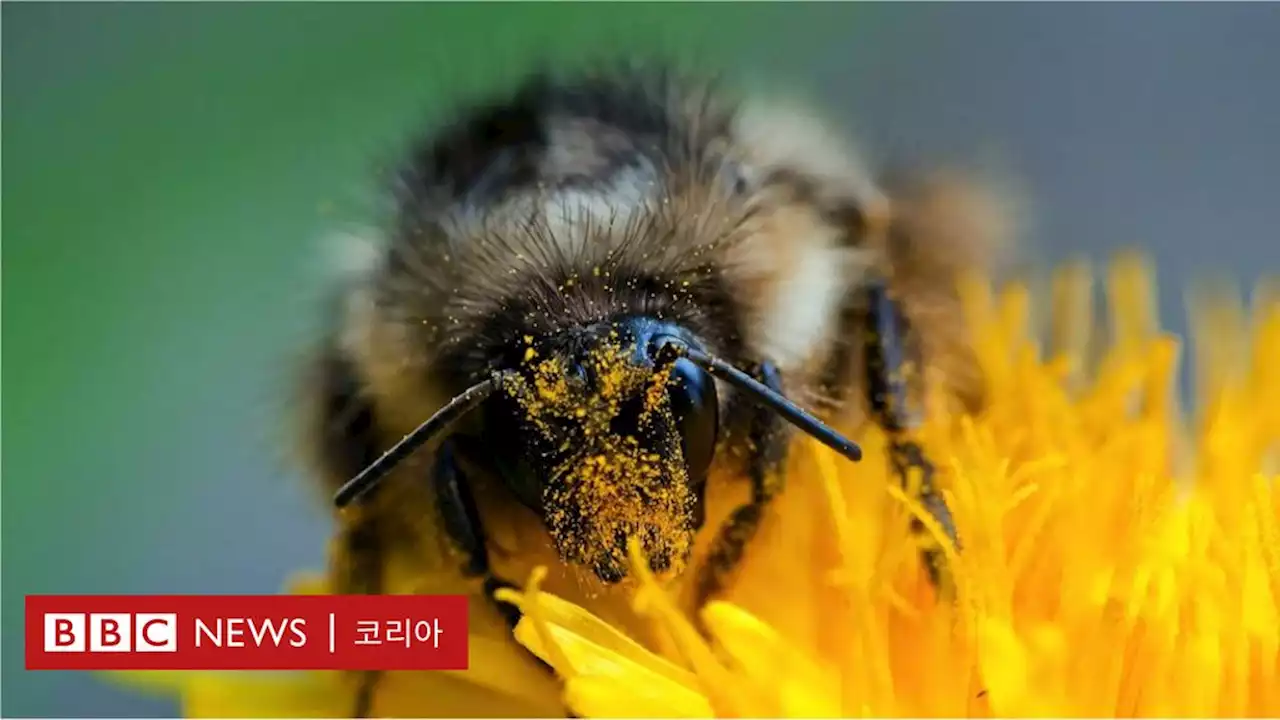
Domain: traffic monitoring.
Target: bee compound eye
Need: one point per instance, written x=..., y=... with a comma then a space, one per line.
x=696, y=408
x=692, y=392
x=511, y=451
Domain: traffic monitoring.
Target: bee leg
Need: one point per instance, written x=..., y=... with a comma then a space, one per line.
x=890, y=358
x=767, y=453
x=458, y=509
x=463, y=525
x=909, y=459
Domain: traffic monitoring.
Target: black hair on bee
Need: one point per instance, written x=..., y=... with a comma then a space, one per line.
x=596, y=288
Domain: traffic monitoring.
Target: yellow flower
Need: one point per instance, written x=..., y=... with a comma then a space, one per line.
x=1120, y=557
x=1114, y=562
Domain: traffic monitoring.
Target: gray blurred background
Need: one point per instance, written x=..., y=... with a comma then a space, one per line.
x=171, y=169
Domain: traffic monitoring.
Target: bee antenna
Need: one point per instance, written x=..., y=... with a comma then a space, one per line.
x=764, y=395
x=460, y=405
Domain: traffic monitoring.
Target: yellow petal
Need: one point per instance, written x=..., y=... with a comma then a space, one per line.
x=592, y=696
x=766, y=663
x=569, y=620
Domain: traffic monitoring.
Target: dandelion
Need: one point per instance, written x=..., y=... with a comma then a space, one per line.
x=1121, y=557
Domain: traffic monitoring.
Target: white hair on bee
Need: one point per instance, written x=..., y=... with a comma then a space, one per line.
x=579, y=147
x=353, y=258
x=354, y=255
x=805, y=303
x=797, y=312
x=779, y=133
x=614, y=203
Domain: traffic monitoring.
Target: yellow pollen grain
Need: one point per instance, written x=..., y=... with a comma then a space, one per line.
x=611, y=486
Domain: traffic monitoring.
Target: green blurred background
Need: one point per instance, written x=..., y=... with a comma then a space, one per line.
x=171, y=172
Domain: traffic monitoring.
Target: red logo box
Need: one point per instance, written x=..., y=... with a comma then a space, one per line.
x=246, y=632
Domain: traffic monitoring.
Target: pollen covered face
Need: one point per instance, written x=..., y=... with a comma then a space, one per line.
x=614, y=466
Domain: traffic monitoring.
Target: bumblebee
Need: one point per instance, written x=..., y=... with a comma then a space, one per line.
x=599, y=290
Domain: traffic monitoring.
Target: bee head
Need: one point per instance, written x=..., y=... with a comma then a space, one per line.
x=607, y=437
x=606, y=429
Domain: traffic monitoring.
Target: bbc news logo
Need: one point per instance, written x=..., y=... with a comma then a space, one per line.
x=225, y=632
x=110, y=632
